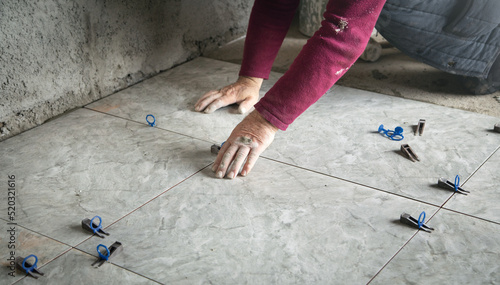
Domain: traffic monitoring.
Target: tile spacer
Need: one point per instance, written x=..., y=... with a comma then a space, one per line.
x=406, y=149
x=420, y=127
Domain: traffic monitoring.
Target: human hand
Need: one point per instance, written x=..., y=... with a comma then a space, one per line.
x=245, y=92
x=247, y=141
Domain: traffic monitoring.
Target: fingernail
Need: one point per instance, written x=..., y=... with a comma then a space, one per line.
x=219, y=174
x=243, y=173
x=230, y=175
x=213, y=168
x=242, y=110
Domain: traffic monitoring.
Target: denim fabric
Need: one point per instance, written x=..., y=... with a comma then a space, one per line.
x=456, y=36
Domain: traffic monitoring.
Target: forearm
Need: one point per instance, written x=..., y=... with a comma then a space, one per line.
x=323, y=60
x=268, y=25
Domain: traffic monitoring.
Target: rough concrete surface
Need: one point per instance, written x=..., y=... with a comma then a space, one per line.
x=60, y=55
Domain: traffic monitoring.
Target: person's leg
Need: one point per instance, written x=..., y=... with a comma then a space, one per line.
x=491, y=84
x=446, y=35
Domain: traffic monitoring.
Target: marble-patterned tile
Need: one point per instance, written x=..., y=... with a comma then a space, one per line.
x=337, y=135
x=282, y=225
x=171, y=95
x=17, y=241
x=87, y=163
x=75, y=267
x=346, y=143
x=484, y=199
x=461, y=250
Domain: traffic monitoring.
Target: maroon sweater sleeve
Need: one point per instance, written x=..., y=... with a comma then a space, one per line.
x=328, y=54
x=268, y=25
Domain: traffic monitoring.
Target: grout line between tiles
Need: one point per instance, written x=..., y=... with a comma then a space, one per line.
x=390, y=259
x=468, y=178
x=442, y=207
x=46, y=236
x=351, y=181
x=134, y=210
x=435, y=213
x=48, y=262
x=481, y=165
x=264, y=157
x=400, y=249
x=377, y=189
x=157, y=196
x=407, y=242
x=74, y=248
x=471, y=216
x=124, y=268
x=51, y=238
x=321, y=173
x=141, y=123
x=88, y=238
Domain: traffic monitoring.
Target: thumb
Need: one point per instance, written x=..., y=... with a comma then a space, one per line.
x=247, y=104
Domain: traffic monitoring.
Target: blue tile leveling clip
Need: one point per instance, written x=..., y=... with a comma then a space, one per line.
x=215, y=148
x=153, y=123
x=89, y=225
x=395, y=135
x=113, y=250
x=27, y=266
x=420, y=223
x=446, y=184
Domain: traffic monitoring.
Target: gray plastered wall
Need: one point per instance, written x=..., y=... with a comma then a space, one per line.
x=59, y=55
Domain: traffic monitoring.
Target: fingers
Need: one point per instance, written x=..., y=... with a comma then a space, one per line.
x=247, y=141
x=252, y=158
x=222, y=150
x=215, y=99
x=230, y=160
x=225, y=160
x=206, y=99
x=238, y=162
x=245, y=92
x=220, y=102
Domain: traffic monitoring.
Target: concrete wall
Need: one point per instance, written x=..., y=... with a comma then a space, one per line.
x=59, y=55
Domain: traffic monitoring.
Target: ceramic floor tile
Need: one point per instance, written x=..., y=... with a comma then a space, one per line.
x=282, y=225
x=461, y=250
x=75, y=267
x=170, y=97
x=23, y=244
x=483, y=201
x=87, y=163
x=346, y=143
